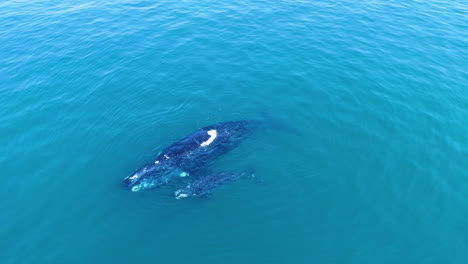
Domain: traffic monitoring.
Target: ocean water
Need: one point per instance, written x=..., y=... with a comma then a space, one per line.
x=376, y=91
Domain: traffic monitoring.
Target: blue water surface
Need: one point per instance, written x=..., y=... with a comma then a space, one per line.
x=376, y=91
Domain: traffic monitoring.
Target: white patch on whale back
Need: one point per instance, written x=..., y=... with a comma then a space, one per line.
x=133, y=177
x=213, y=135
x=156, y=162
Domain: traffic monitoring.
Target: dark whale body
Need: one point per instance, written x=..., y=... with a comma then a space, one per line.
x=203, y=186
x=192, y=153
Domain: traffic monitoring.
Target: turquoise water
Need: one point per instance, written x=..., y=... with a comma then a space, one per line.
x=91, y=90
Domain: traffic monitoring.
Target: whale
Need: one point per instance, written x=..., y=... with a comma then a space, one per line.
x=191, y=154
x=204, y=186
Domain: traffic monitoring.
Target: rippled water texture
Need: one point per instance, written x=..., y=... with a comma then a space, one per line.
x=376, y=91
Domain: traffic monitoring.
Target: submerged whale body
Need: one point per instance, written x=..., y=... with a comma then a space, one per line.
x=203, y=186
x=191, y=154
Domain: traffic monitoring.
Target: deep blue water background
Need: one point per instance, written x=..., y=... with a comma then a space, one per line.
x=91, y=90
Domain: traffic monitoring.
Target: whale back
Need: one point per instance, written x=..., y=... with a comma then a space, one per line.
x=194, y=151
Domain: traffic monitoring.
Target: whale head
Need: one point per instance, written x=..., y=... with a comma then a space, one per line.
x=183, y=193
x=150, y=176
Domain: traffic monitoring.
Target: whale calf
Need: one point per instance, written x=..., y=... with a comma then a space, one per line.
x=191, y=154
x=204, y=186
